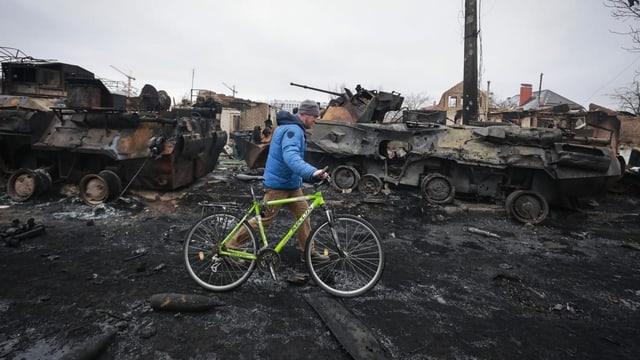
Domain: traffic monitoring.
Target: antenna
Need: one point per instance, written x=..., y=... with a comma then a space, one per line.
x=233, y=89
x=129, y=78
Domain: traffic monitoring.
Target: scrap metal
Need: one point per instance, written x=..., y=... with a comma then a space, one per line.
x=60, y=119
x=527, y=167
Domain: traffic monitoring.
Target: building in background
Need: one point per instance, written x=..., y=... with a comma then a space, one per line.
x=238, y=113
x=528, y=99
x=289, y=105
x=451, y=102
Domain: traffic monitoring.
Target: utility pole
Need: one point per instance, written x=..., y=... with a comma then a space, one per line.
x=486, y=114
x=540, y=92
x=470, y=81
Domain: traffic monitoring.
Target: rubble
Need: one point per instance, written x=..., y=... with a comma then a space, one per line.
x=182, y=302
x=446, y=292
x=17, y=231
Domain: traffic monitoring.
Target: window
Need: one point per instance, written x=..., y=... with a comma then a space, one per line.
x=235, y=119
x=453, y=102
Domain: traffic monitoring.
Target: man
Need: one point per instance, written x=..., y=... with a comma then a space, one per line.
x=286, y=169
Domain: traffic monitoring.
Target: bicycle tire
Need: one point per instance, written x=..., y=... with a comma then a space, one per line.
x=205, y=265
x=361, y=267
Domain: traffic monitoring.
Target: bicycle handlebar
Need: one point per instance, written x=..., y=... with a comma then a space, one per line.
x=323, y=180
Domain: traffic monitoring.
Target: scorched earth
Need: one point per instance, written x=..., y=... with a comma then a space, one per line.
x=460, y=282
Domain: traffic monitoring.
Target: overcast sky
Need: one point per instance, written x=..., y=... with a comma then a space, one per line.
x=259, y=47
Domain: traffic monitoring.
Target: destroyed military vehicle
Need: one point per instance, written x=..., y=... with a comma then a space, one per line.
x=527, y=168
x=58, y=123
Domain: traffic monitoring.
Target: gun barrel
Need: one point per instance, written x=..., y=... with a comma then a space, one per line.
x=316, y=89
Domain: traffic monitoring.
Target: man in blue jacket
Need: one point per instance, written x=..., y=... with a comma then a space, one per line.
x=286, y=169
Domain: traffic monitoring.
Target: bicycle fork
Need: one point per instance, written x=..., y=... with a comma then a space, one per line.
x=334, y=232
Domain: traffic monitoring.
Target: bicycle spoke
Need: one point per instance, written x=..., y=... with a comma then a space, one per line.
x=209, y=269
x=362, y=262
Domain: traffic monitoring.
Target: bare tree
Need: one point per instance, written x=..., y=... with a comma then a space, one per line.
x=415, y=101
x=628, y=97
x=503, y=104
x=627, y=11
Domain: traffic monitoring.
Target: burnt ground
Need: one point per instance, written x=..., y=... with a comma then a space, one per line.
x=568, y=288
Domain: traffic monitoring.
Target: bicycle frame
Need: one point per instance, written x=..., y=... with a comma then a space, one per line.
x=352, y=257
x=317, y=200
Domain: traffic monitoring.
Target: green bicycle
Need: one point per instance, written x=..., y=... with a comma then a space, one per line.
x=353, y=245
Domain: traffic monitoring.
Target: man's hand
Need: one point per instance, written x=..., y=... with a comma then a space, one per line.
x=320, y=174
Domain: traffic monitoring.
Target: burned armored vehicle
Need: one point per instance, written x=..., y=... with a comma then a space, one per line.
x=527, y=168
x=253, y=145
x=58, y=123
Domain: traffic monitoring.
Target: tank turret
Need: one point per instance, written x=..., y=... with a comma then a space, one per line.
x=363, y=106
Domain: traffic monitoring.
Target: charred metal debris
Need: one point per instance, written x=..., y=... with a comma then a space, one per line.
x=372, y=143
x=17, y=231
x=59, y=123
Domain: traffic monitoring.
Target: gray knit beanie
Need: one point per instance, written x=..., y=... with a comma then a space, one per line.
x=309, y=107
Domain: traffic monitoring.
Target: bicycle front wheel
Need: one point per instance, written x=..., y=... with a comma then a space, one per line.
x=205, y=265
x=356, y=259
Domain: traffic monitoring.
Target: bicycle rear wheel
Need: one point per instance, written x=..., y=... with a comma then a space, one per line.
x=356, y=266
x=205, y=265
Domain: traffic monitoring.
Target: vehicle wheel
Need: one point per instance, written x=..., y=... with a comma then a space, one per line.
x=205, y=265
x=437, y=189
x=528, y=207
x=370, y=184
x=113, y=181
x=24, y=183
x=345, y=177
x=355, y=263
x=94, y=189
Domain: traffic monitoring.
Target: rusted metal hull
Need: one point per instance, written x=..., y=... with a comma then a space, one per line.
x=75, y=150
x=483, y=162
x=73, y=128
x=253, y=153
x=573, y=157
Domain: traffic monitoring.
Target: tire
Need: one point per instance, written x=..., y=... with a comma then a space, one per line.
x=94, y=189
x=115, y=184
x=362, y=264
x=205, y=265
x=370, y=184
x=345, y=178
x=437, y=189
x=25, y=184
x=528, y=207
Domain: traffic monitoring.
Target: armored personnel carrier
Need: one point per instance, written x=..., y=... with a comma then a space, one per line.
x=527, y=168
x=58, y=123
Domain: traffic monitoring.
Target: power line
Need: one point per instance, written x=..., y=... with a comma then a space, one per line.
x=612, y=80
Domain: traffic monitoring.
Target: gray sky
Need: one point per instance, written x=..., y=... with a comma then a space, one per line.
x=259, y=47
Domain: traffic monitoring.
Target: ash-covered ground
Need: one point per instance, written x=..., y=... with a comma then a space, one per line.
x=461, y=282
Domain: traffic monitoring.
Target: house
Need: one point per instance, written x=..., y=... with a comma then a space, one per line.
x=539, y=109
x=451, y=102
x=237, y=113
x=528, y=99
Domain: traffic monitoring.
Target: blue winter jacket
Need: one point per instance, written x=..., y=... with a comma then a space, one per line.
x=286, y=168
